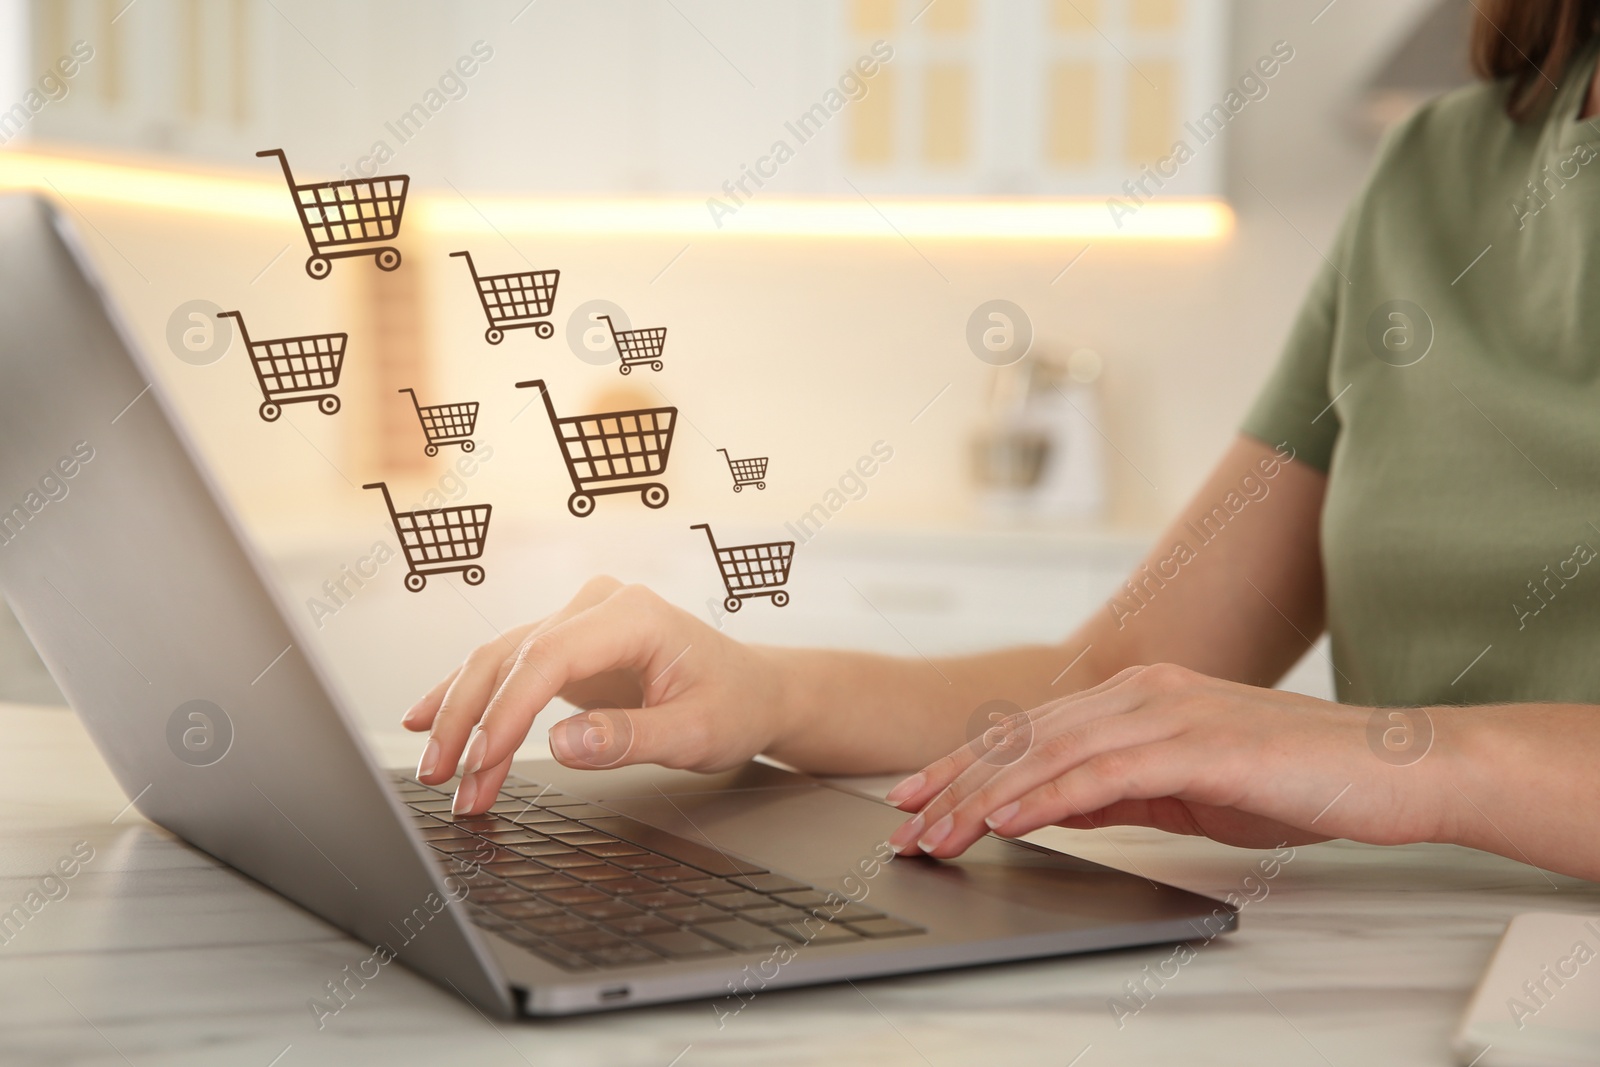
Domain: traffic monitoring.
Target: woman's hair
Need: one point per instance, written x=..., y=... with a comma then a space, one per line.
x=1531, y=43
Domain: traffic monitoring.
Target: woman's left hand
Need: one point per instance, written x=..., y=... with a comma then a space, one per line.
x=1168, y=747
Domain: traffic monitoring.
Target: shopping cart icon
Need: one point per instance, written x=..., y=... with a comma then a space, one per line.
x=446, y=424
x=637, y=346
x=612, y=451
x=439, y=540
x=745, y=472
x=752, y=570
x=347, y=218
x=515, y=301
x=294, y=370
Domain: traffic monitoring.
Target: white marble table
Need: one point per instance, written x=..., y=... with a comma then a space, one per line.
x=158, y=955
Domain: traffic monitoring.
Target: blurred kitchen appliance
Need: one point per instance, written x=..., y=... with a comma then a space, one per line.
x=1038, y=455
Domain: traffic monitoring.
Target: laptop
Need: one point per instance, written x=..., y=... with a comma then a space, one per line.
x=578, y=891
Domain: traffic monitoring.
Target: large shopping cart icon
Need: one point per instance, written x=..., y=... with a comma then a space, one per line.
x=294, y=370
x=745, y=472
x=612, y=452
x=439, y=540
x=446, y=424
x=515, y=301
x=355, y=217
x=637, y=346
x=752, y=570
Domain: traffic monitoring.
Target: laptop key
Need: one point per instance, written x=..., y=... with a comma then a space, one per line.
x=885, y=928
x=739, y=898
x=608, y=909
x=696, y=913
x=517, y=868
x=817, y=933
x=598, y=874
x=848, y=913
x=537, y=817
x=542, y=883
x=557, y=924
x=575, y=895
x=767, y=882
x=632, y=884
x=561, y=861
x=706, y=887
x=580, y=809
x=562, y=827
x=745, y=936
x=809, y=898
x=636, y=924
x=525, y=909
x=464, y=843
x=611, y=848
x=513, y=837
x=661, y=898
x=772, y=914
x=706, y=858
x=684, y=944
x=642, y=863
x=496, y=894
x=673, y=874
x=438, y=831
x=544, y=847
x=590, y=838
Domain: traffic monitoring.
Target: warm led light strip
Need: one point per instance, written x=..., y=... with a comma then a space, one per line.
x=885, y=217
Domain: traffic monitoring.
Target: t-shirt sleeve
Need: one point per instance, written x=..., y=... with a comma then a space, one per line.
x=1294, y=408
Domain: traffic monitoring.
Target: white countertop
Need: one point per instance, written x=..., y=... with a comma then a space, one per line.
x=1350, y=955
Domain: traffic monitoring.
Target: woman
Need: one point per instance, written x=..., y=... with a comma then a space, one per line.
x=1429, y=448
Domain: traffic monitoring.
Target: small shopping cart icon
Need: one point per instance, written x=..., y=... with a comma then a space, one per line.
x=295, y=370
x=745, y=472
x=752, y=570
x=637, y=346
x=439, y=540
x=515, y=301
x=355, y=217
x=612, y=452
x=446, y=424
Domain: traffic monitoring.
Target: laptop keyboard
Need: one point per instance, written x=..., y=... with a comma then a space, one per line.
x=587, y=888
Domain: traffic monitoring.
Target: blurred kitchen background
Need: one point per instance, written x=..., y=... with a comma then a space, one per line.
x=819, y=301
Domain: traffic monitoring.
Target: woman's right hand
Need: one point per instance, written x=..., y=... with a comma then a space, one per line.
x=660, y=685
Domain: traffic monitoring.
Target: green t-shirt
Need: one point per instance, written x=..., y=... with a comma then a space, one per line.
x=1445, y=373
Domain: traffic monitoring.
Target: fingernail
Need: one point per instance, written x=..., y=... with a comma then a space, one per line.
x=429, y=760
x=1001, y=816
x=410, y=717
x=561, y=739
x=937, y=833
x=477, y=748
x=907, y=788
x=906, y=834
x=466, y=793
